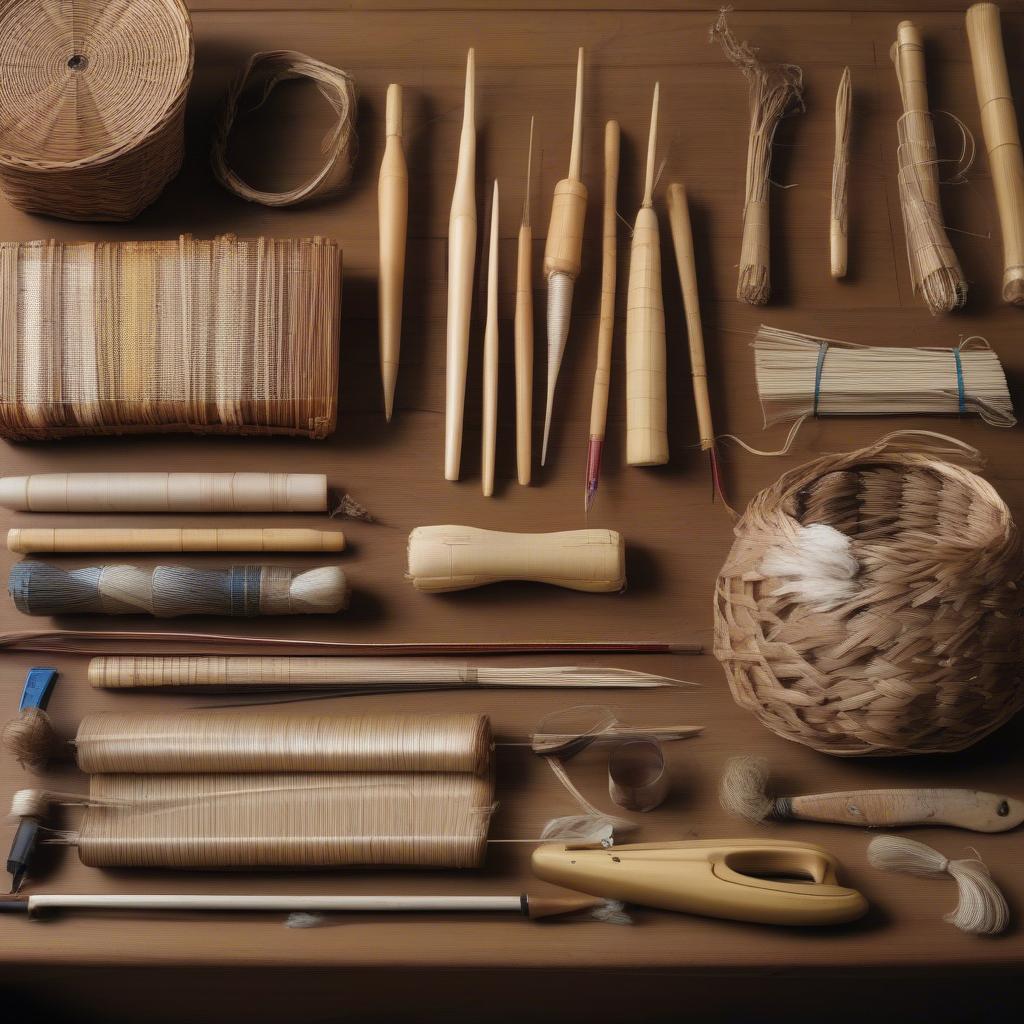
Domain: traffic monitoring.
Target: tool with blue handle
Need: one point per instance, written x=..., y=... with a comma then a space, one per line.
x=38, y=684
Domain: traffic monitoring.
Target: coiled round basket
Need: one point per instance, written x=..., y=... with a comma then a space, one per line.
x=92, y=104
x=871, y=605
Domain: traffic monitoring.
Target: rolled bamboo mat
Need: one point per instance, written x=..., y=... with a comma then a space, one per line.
x=92, y=104
x=230, y=336
x=244, y=741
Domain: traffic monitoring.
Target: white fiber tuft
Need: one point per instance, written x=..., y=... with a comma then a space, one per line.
x=303, y=919
x=611, y=912
x=815, y=566
x=579, y=828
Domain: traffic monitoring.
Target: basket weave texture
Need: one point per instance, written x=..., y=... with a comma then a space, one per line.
x=92, y=104
x=924, y=654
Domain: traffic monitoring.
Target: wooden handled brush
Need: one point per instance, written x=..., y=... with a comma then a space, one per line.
x=646, y=384
x=461, y=261
x=524, y=335
x=563, y=254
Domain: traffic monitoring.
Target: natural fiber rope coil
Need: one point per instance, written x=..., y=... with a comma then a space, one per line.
x=92, y=104
x=339, y=145
x=871, y=604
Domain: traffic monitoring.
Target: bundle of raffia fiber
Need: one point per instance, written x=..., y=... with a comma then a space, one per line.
x=92, y=103
x=871, y=604
x=229, y=336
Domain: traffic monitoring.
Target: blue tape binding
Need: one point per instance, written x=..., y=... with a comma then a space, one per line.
x=961, y=397
x=37, y=688
x=822, y=351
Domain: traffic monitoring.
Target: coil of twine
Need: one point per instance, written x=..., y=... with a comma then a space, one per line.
x=92, y=104
x=871, y=604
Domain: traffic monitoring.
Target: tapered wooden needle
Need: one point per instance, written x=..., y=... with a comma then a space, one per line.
x=490, y=412
x=524, y=335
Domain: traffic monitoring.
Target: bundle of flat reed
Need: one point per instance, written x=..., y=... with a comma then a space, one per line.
x=92, y=104
x=232, y=336
x=775, y=91
x=799, y=375
x=38, y=588
x=268, y=69
x=934, y=267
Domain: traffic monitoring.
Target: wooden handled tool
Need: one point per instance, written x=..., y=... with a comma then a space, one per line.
x=461, y=261
x=489, y=430
x=524, y=335
x=1002, y=140
x=443, y=558
x=646, y=384
x=392, y=221
x=36, y=540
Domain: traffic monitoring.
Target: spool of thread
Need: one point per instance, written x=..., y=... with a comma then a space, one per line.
x=38, y=588
x=65, y=541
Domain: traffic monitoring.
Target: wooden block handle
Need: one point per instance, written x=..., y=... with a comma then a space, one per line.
x=64, y=541
x=443, y=558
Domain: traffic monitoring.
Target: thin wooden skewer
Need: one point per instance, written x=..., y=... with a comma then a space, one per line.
x=461, y=261
x=838, y=219
x=646, y=384
x=563, y=254
x=392, y=218
x=524, y=335
x=606, y=328
x=1002, y=140
x=490, y=412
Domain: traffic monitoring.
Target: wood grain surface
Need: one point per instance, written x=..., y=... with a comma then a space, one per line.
x=677, y=537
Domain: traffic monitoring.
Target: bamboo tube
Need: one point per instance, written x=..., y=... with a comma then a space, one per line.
x=606, y=328
x=637, y=778
x=1002, y=140
x=646, y=385
x=62, y=541
x=563, y=254
x=490, y=413
x=524, y=335
x=165, y=492
x=461, y=261
x=392, y=221
x=838, y=218
x=443, y=558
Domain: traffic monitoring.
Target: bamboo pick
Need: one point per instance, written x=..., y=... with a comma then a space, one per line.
x=563, y=254
x=1002, y=140
x=686, y=265
x=646, y=385
x=461, y=261
x=490, y=413
x=838, y=220
x=524, y=334
x=35, y=540
x=392, y=219
x=606, y=328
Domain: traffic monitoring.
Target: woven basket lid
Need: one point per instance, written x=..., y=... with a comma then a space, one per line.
x=86, y=80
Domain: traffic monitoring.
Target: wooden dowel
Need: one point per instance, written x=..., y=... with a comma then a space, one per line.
x=36, y=540
x=838, y=215
x=489, y=429
x=524, y=335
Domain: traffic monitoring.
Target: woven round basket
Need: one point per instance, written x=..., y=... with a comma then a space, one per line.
x=92, y=103
x=871, y=605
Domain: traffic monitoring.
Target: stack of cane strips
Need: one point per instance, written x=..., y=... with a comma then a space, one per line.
x=238, y=790
x=233, y=336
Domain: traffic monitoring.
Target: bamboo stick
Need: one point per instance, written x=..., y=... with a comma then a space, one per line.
x=35, y=540
x=392, y=219
x=838, y=215
x=461, y=261
x=524, y=335
x=606, y=327
x=563, y=254
x=1002, y=140
x=646, y=384
x=490, y=412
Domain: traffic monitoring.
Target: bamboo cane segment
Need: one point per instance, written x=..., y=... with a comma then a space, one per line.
x=490, y=411
x=524, y=335
x=838, y=218
x=461, y=261
x=392, y=220
x=35, y=540
x=1002, y=140
x=443, y=558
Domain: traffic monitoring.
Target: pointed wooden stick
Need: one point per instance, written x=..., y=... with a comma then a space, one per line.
x=524, y=335
x=840, y=178
x=563, y=254
x=646, y=384
x=606, y=329
x=490, y=414
x=392, y=219
x=461, y=260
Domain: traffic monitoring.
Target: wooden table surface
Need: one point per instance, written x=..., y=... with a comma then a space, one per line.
x=677, y=537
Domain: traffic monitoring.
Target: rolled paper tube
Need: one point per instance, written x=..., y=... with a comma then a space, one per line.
x=62, y=541
x=249, y=741
x=165, y=492
x=1002, y=140
x=443, y=558
x=637, y=780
